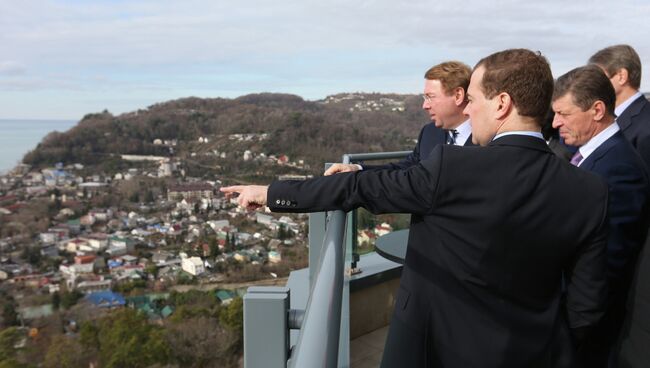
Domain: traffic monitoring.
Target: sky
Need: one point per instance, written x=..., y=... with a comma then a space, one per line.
x=63, y=59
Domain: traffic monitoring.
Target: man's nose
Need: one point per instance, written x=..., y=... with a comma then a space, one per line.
x=557, y=122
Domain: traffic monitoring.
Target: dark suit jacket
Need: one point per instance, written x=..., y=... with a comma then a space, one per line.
x=635, y=337
x=619, y=164
x=430, y=137
x=616, y=161
x=635, y=125
x=481, y=284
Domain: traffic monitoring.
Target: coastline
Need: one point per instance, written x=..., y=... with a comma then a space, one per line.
x=19, y=136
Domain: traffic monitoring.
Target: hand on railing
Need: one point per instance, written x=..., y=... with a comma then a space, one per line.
x=341, y=168
x=250, y=196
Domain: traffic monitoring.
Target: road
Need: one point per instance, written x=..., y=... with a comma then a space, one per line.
x=282, y=281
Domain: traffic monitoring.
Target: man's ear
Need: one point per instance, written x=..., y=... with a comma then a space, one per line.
x=621, y=77
x=459, y=96
x=504, y=105
x=598, y=110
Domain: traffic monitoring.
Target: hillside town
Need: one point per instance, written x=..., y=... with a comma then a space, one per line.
x=70, y=236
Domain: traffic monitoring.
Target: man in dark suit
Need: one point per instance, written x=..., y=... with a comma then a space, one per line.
x=445, y=98
x=489, y=246
x=583, y=101
x=622, y=65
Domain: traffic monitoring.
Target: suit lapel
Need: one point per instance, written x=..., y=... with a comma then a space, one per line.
x=468, y=142
x=625, y=120
x=601, y=151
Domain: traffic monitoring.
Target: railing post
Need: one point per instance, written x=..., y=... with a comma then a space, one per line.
x=266, y=327
x=317, y=225
x=352, y=252
x=317, y=228
x=319, y=344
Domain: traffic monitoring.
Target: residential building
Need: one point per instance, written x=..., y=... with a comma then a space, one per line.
x=193, y=265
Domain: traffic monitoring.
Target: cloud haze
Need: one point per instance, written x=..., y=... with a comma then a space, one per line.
x=62, y=59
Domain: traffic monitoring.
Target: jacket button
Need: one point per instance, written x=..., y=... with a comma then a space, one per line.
x=283, y=202
x=277, y=201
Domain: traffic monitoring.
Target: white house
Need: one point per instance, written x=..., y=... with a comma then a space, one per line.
x=193, y=265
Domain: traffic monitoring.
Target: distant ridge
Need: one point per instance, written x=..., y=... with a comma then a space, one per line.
x=315, y=131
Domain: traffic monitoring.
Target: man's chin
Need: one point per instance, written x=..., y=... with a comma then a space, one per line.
x=568, y=141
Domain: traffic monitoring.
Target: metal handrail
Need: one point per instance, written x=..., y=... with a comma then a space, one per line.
x=318, y=342
x=323, y=312
x=352, y=219
x=352, y=157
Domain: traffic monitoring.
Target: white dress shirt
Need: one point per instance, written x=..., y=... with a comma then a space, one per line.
x=620, y=108
x=595, y=141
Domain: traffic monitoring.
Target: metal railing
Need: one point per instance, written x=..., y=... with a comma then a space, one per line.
x=318, y=343
x=352, y=217
x=267, y=314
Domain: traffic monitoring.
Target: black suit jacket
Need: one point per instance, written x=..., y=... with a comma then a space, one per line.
x=430, y=137
x=481, y=284
x=616, y=161
x=635, y=125
x=635, y=337
x=620, y=165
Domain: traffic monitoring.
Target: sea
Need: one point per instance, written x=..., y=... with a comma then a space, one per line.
x=17, y=137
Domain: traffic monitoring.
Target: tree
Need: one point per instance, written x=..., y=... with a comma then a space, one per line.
x=148, y=198
x=64, y=352
x=232, y=242
x=56, y=300
x=202, y=342
x=9, y=314
x=232, y=316
x=126, y=339
x=31, y=254
x=134, y=197
x=70, y=298
x=365, y=219
x=8, y=338
x=214, y=246
x=151, y=269
x=282, y=232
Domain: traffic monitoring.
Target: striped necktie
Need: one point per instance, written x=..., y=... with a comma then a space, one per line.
x=451, y=136
x=575, y=160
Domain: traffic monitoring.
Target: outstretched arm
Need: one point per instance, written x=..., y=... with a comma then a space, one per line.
x=379, y=191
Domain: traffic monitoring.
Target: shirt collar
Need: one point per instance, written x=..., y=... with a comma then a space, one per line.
x=595, y=141
x=520, y=132
x=620, y=108
x=464, y=131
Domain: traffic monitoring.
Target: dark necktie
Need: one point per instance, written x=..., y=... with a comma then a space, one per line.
x=451, y=136
x=575, y=160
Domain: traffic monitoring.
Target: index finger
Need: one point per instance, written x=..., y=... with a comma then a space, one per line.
x=232, y=189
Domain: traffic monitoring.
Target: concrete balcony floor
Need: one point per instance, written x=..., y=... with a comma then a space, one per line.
x=366, y=350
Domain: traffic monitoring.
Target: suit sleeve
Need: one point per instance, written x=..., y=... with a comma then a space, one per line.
x=628, y=194
x=379, y=191
x=586, y=281
x=642, y=145
x=412, y=159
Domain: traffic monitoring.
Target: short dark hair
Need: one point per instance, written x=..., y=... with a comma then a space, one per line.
x=586, y=84
x=451, y=74
x=617, y=57
x=524, y=75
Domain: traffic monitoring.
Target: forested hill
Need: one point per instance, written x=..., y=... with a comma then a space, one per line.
x=315, y=131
